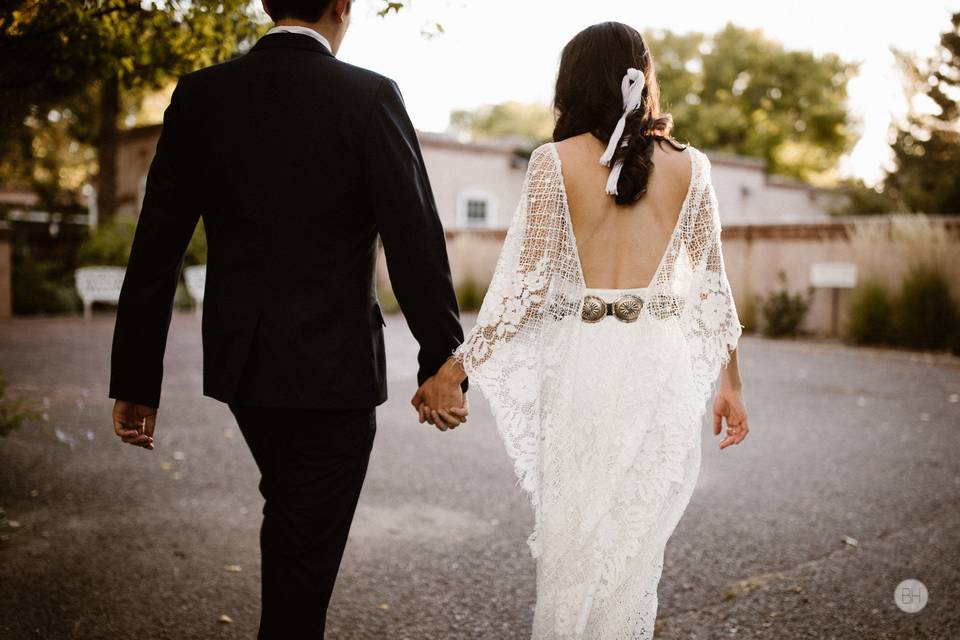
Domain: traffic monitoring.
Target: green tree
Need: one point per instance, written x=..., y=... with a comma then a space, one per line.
x=741, y=92
x=531, y=123
x=70, y=70
x=82, y=56
x=927, y=146
x=855, y=197
x=735, y=91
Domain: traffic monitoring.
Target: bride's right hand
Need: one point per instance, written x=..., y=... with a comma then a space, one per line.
x=729, y=405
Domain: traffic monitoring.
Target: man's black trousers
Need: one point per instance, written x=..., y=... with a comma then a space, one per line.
x=312, y=465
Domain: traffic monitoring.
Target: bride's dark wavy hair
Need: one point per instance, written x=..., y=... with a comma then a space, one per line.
x=588, y=99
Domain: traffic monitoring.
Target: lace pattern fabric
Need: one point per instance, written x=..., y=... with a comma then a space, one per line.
x=601, y=421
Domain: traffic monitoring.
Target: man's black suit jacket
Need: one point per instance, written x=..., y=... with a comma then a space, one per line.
x=296, y=162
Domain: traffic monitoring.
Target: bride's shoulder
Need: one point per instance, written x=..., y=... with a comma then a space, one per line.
x=546, y=151
x=688, y=163
x=698, y=156
x=543, y=160
x=578, y=147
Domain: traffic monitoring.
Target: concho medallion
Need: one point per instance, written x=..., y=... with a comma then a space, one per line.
x=627, y=308
x=594, y=309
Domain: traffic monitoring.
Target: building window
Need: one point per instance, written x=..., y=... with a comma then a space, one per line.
x=476, y=209
x=476, y=212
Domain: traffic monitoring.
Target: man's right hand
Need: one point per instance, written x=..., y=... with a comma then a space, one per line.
x=134, y=423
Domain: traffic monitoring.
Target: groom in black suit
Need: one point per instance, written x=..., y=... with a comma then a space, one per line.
x=297, y=162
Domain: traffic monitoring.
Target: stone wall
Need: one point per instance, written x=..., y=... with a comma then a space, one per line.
x=753, y=255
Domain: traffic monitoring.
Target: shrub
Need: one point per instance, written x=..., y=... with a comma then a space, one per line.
x=181, y=298
x=469, y=295
x=388, y=302
x=748, y=313
x=925, y=316
x=42, y=286
x=870, y=315
x=887, y=248
x=109, y=244
x=13, y=411
x=197, y=249
x=784, y=312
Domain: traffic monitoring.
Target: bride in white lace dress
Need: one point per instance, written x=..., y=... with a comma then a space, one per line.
x=601, y=338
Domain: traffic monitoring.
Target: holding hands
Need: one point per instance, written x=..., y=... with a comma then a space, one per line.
x=440, y=400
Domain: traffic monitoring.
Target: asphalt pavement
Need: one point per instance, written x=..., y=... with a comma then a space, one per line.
x=848, y=484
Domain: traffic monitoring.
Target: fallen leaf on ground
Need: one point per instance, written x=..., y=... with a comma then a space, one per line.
x=849, y=541
x=233, y=568
x=225, y=619
x=745, y=586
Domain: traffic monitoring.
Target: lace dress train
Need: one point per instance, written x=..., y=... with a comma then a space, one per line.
x=628, y=460
x=602, y=421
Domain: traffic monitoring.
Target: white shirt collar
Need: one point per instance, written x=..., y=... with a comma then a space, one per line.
x=307, y=31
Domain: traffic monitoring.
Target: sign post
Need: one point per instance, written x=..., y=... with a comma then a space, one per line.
x=833, y=276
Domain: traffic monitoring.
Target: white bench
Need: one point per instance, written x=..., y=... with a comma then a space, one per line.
x=98, y=284
x=196, y=278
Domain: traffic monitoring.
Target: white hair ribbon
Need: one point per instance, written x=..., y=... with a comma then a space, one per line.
x=632, y=89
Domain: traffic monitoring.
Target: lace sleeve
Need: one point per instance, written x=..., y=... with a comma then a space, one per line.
x=528, y=262
x=529, y=315
x=712, y=323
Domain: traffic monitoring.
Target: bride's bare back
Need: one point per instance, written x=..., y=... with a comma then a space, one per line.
x=621, y=247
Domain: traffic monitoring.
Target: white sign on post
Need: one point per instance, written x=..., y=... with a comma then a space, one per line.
x=840, y=275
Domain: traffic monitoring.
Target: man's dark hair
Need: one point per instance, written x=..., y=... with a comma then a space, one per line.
x=305, y=10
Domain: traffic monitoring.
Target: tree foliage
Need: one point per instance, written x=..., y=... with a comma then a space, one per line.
x=927, y=146
x=70, y=69
x=78, y=59
x=530, y=123
x=53, y=50
x=735, y=91
x=740, y=92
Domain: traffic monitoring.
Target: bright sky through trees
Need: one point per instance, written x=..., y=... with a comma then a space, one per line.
x=500, y=50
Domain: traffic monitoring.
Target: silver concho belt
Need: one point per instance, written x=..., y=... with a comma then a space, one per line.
x=626, y=308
